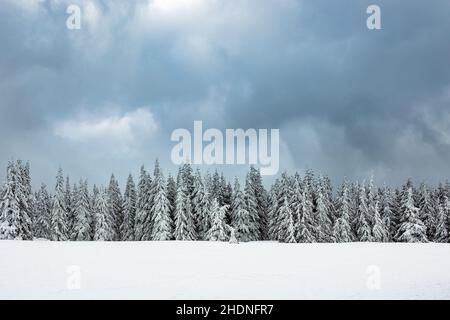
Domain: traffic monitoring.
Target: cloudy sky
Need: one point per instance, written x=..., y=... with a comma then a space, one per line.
x=348, y=101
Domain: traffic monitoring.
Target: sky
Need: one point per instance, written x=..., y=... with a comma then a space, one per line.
x=348, y=101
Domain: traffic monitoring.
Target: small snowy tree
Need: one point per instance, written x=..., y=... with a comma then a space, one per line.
x=43, y=218
x=217, y=232
x=287, y=230
x=323, y=221
x=143, y=207
x=441, y=229
x=411, y=228
x=341, y=229
x=251, y=202
x=59, y=213
x=82, y=225
x=129, y=211
x=379, y=231
x=184, y=220
x=363, y=232
x=115, y=204
x=162, y=223
x=104, y=222
x=240, y=217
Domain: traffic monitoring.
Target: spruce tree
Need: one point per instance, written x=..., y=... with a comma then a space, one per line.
x=59, y=212
x=201, y=204
x=441, y=228
x=43, y=214
x=363, y=229
x=323, y=222
x=104, y=221
x=184, y=219
x=10, y=219
x=287, y=230
x=129, y=210
x=305, y=217
x=251, y=203
x=143, y=206
x=162, y=228
x=379, y=231
x=217, y=232
x=115, y=204
x=341, y=229
x=240, y=217
x=82, y=228
x=411, y=229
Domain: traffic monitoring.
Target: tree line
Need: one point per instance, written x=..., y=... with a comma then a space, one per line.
x=190, y=206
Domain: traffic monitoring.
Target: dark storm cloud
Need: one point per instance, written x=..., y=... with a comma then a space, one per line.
x=349, y=101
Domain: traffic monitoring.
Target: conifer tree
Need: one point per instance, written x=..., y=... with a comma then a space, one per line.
x=70, y=207
x=305, y=219
x=363, y=230
x=427, y=210
x=379, y=231
x=82, y=228
x=43, y=218
x=129, y=210
x=240, y=217
x=201, y=207
x=441, y=228
x=323, y=221
x=115, y=205
x=184, y=220
x=411, y=229
x=171, y=195
x=287, y=230
x=104, y=221
x=59, y=213
x=217, y=232
x=251, y=202
x=342, y=230
x=10, y=219
x=162, y=228
x=143, y=207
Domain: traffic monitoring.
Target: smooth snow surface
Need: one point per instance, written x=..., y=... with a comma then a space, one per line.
x=209, y=270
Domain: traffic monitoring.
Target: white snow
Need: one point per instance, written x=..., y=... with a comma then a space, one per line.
x=208, y=270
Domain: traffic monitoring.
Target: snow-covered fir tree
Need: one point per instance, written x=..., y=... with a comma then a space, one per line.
x=240, y=217
x=287, y=230
x=162, y=225
x=104, y=221
x=251, y=205
x=70, y=206
x=323, y=222
x=15, y=222
x=59, y=212
x=363, y=228
x=411, y=229
x=427, y=210
x=218, y=230
x=43, y=214
x=441, y=227
x=379, y=231
x=143, y=206
x=129, y=210
x=342, y=230
x=304, y=228
x=184, y=219
x=82, y=228
x=201, y=204
x=115, y=203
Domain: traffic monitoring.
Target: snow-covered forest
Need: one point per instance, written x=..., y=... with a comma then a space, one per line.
x=190, y=206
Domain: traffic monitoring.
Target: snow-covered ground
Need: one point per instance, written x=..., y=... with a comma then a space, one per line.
x=207, y=270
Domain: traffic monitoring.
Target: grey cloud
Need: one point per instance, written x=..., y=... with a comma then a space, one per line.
x=348, y=101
